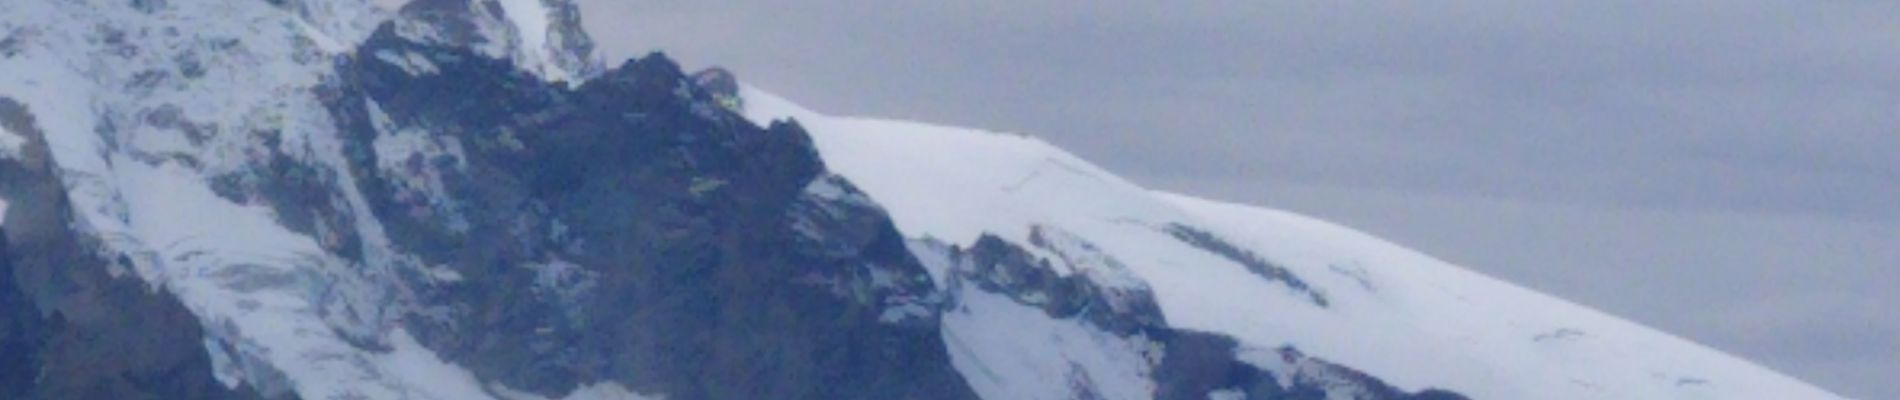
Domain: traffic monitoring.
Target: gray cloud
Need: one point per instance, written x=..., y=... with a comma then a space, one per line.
x=1727, y=171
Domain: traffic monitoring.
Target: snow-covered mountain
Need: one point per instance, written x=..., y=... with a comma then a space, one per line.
x=319, y=199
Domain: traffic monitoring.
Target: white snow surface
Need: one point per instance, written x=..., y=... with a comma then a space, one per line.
x=1012, y=351
x=11, y=144
x=1404, y=317
x=1008, y=350
x=530, y=19
x=523, y=33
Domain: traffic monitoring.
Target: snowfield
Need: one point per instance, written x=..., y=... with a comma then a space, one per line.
x=1402, y=316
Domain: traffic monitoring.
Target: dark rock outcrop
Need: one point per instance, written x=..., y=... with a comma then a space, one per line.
x=631, y=230
x=999, y=266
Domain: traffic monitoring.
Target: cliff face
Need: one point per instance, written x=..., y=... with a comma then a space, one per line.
x=630, y=230
x=551, y=239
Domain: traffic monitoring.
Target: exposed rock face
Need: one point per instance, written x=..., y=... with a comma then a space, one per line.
x=999, y=266
x=630, y=230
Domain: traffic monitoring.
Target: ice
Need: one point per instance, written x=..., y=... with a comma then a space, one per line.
x=1496, y=323
x=281, y=314
x=439, y=379
x=264, y=289
x=1007, y=350
x=530, y=19
x=1012, y=351
x=1404, y=317
x=11, y=144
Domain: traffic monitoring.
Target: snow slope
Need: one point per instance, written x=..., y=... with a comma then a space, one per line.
x=143, y=108
x=1404, y=317
x=137, y=149
x=530, y=20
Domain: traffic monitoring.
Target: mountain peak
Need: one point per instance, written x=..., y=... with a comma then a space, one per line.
x=321, y=199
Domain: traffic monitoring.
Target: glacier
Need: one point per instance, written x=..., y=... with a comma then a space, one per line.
x=1405, y=317
x=322, y=199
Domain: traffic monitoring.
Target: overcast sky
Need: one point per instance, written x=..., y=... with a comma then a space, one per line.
x=1725, y=170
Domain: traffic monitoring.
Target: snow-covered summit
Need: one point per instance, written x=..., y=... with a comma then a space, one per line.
x=1409, y=319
